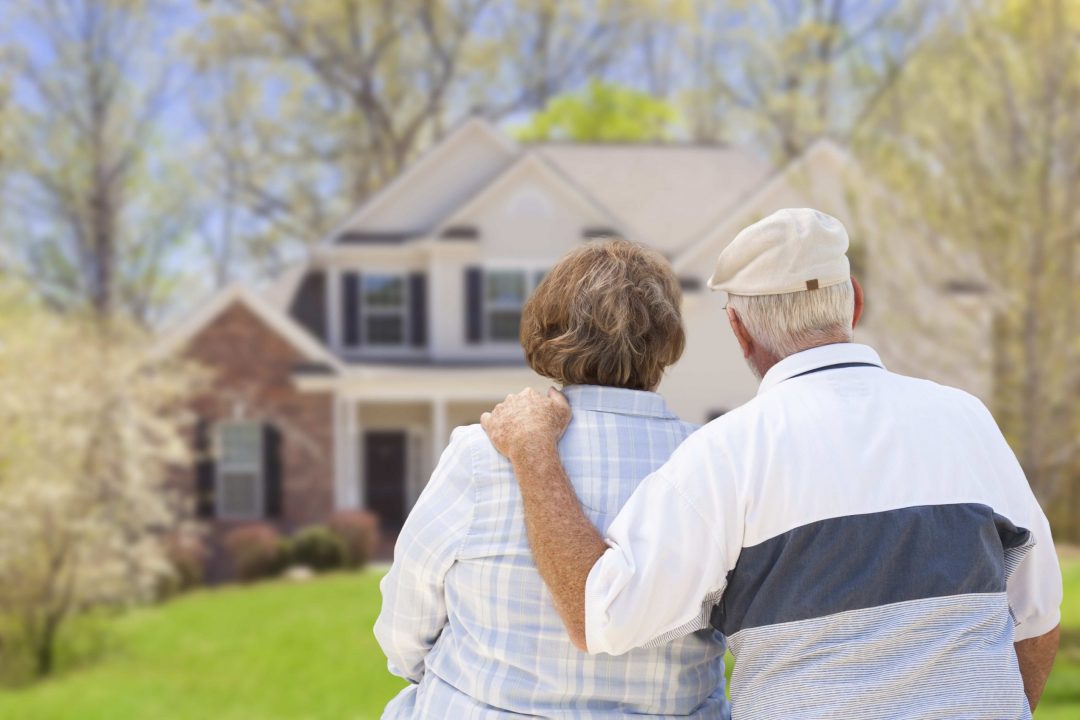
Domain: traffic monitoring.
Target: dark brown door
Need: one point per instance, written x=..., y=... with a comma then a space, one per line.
x=384, y=474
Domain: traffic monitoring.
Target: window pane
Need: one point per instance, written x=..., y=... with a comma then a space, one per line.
x=386, y=291
x=241, y=445
x=239, y=494
x=506, y=286
x=385, y=329
x=505, y=324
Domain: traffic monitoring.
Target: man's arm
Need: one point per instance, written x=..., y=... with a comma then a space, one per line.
x=640, y=584
x=1036, y=657
x=565, y=545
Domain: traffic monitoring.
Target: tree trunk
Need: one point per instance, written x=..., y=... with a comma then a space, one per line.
x=45, y=647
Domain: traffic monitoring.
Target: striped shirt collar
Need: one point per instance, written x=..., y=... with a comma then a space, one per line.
x=815, y=358
x=601, y=398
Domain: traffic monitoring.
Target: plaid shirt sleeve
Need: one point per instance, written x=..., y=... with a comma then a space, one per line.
x=414, y=606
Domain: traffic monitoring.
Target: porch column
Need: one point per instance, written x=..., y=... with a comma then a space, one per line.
x=355, y=481
x=342, y=495
x=347, y=493
x=438, y=429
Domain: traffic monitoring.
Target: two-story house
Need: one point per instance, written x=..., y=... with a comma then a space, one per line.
x=339, y=387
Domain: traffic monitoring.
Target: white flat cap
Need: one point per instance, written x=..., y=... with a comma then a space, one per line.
x=791, y=250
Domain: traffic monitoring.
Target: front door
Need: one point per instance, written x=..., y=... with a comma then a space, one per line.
x=384, y=475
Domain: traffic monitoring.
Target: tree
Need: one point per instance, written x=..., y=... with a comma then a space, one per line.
x=527, y=52
x=977, y=144
x=602, y=112
x=307, y=108
x=781, y=73
x=95, y=212
x=91, y=427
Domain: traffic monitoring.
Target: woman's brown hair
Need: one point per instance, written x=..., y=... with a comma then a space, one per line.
x=607, y=314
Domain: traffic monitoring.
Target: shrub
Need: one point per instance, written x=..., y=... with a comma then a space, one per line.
x=186, y=555
x=358, y=531
x=256, y=551
x=318, y=548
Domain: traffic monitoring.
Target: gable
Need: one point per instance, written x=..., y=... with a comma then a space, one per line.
x=238, y=301
x=530, y=211
x=820, y=178
x=239, y=342
x=666, y=193
x=434, y=185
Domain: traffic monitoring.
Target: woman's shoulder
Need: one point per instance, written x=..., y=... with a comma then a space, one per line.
x=473, y=441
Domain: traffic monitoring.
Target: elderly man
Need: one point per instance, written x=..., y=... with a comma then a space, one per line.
x=867, y=541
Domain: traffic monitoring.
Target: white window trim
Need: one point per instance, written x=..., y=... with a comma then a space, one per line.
x=487, y=306
x=220, y=468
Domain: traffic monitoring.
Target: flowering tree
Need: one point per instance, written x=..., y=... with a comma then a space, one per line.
x=90, y=425
x=977, y=142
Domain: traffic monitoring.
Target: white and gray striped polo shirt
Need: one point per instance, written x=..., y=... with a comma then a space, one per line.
x=867, y=541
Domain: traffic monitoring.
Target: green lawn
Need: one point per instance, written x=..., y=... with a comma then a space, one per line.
x=276, y=650
x=302, y=651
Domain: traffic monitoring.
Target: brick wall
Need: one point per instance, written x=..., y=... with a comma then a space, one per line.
x=251, y=367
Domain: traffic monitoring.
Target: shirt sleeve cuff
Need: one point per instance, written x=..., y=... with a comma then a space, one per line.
x=1036, y=626
x=598, y=597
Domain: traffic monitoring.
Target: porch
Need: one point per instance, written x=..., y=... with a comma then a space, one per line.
x=388, y=450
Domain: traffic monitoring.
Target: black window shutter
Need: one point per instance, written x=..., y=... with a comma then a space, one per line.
x=272, y=470
x=204, y=470
x=350, y=310
x=418, y=309
x=474, y=304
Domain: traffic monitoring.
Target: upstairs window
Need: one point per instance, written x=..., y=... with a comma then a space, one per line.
x=504, y=297
x=240, y=479
x=383, y=309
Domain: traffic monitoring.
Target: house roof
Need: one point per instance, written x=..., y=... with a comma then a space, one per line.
x=665, y=195
x=288, y=329
x=534, y=162
x=725, y=225
x=473, y=127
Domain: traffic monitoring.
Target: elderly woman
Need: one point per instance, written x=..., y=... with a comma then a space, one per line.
x=466, y=618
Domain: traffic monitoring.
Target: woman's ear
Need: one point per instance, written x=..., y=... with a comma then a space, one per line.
x=745, y=341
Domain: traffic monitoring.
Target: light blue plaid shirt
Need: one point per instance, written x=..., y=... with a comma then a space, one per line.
x=466, y=618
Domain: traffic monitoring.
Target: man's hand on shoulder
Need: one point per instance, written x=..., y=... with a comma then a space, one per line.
x=527, y=421
x=526, y=428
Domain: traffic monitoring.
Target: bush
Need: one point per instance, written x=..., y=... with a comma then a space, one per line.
x=318, y=548
x=358, y=531
x=187, y=556
x=256, y=551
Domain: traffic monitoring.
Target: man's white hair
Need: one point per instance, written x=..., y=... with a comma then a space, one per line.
x=792, y=322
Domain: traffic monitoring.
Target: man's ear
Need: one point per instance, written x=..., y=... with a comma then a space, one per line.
x=858, y=302
x=745, y=341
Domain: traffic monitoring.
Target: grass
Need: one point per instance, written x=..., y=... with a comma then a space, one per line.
x=299, y=651
x=276, y=650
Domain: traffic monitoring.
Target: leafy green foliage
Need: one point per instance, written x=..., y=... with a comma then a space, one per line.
x=318, y=548
x=602, y=112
